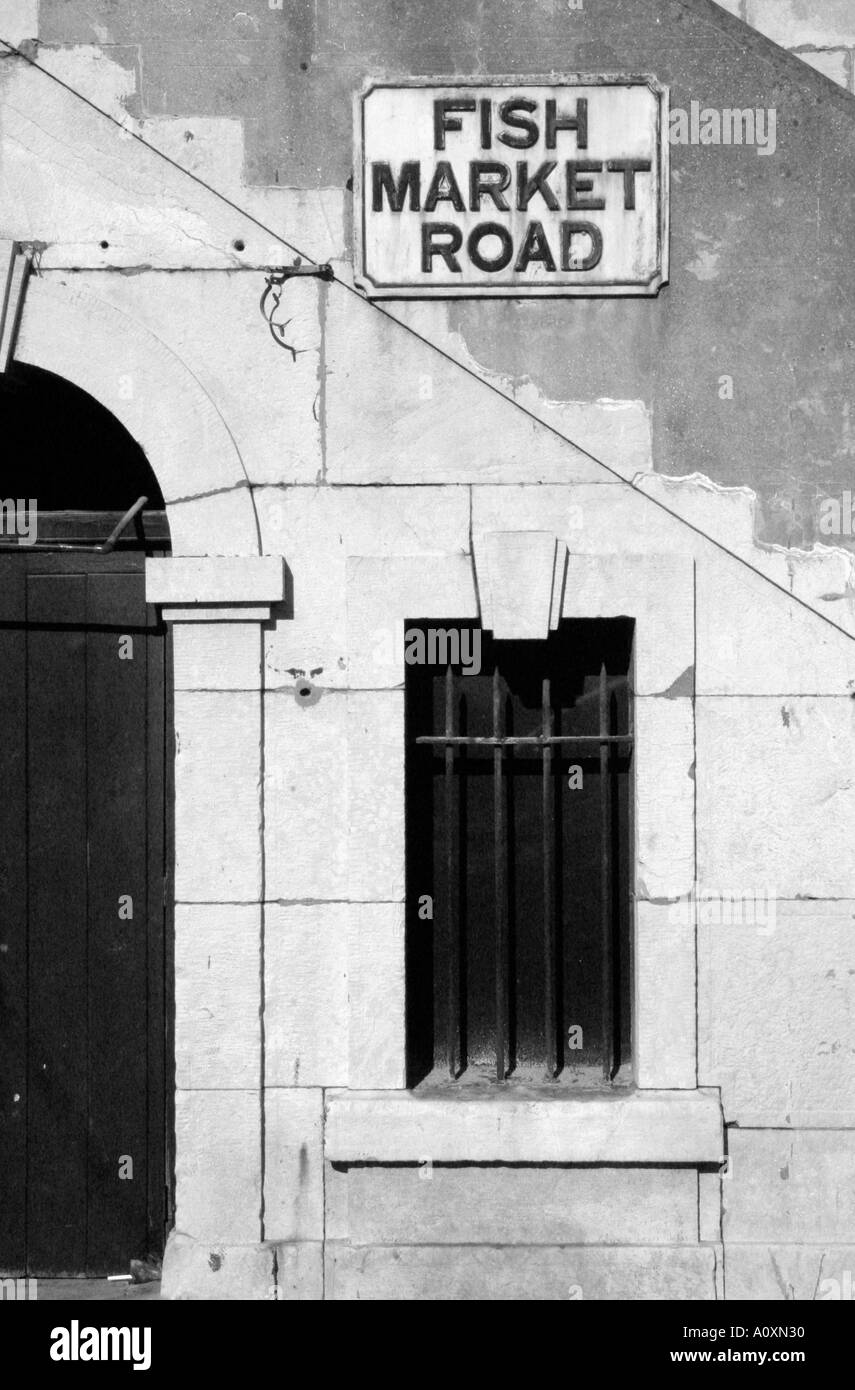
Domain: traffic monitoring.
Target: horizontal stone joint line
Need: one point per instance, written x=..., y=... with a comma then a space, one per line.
x=241, y=484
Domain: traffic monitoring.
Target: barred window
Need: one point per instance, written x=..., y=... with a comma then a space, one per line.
x=519, y=762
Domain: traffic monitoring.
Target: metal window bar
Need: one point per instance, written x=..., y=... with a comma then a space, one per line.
x=550, y=993
x=606, y=918
x=453, y=1041
x=499, y=869
x=548, y=742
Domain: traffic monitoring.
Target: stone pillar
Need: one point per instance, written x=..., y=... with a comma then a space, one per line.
x=216, y=607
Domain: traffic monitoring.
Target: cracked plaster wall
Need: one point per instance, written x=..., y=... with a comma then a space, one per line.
x=760, y=263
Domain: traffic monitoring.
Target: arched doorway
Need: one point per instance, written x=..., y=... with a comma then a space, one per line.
x=85, y=932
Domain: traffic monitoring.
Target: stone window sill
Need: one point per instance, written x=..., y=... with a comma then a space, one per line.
x=636, y=1127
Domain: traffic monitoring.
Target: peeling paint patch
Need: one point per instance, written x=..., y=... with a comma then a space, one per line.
x=246, y=20
x=85, y=68
x=705, y=265
x=617, y=431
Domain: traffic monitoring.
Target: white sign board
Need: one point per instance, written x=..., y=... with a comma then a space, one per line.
x=467, y=188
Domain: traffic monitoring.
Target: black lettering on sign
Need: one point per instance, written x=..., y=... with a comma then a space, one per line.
x=431, y=246
x=576, y=186
x=486, y=110
x=535, y=247
x=488, y=179
x=508, y=112
x=442, y=110
x=443, y=188
x=577, y=122
x=409, y=181
x=473, y=246
x=527, y=187
x=570, y=260
x=629, y=168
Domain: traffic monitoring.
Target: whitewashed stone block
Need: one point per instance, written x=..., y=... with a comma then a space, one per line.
x=790, y=1186
x=217, y=1032
x=198, y=1269
x=800, y=1273
x=664, y=1028
x=267, y=395
x=520, y=1273
x=665, y=797
x=634, y=1127
x=216, y=656
x=776, y=1012
x=300, y=1272
x=128, y=369
x=306, y=1007
x=423, y=420
x=434, y=1204
x=382, y=595
x=305, y=785
x=709, y=1207
x=658, y=591
x=207, y=579
x=20, y=20
x=617, y=431
x=154, y=214
x=518, y=575
x=375, y=773
x=601, y=517
x=217, y=797
x=648, y=519
x=754, y=640
x=375, y=975
x=832, y=63
x=776, y=796
x=390, y=522
x=218, y=1166
x=222, y=524
x=792, y=23
x=293, y=1170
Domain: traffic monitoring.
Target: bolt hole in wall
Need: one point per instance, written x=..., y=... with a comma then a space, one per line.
x=518, y=858
x=238, y=245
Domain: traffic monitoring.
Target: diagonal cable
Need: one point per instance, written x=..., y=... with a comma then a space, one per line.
x=435, y=347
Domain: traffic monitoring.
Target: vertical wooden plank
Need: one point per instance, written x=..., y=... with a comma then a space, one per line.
x=116, y=737
x=500, y=883
x=606, y=887
x=550, y=1006
x=13, y=918
x=159, y=968
x=453, y=1059
x=56, y=867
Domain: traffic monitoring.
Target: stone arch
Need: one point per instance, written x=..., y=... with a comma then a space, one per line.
x=71, y=331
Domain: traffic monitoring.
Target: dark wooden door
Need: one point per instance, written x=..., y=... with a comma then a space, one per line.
x=84, y=950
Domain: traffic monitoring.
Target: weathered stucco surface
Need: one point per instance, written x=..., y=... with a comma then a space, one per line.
x=758, y=286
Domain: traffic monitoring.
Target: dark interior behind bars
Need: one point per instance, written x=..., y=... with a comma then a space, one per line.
x=524, y=971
